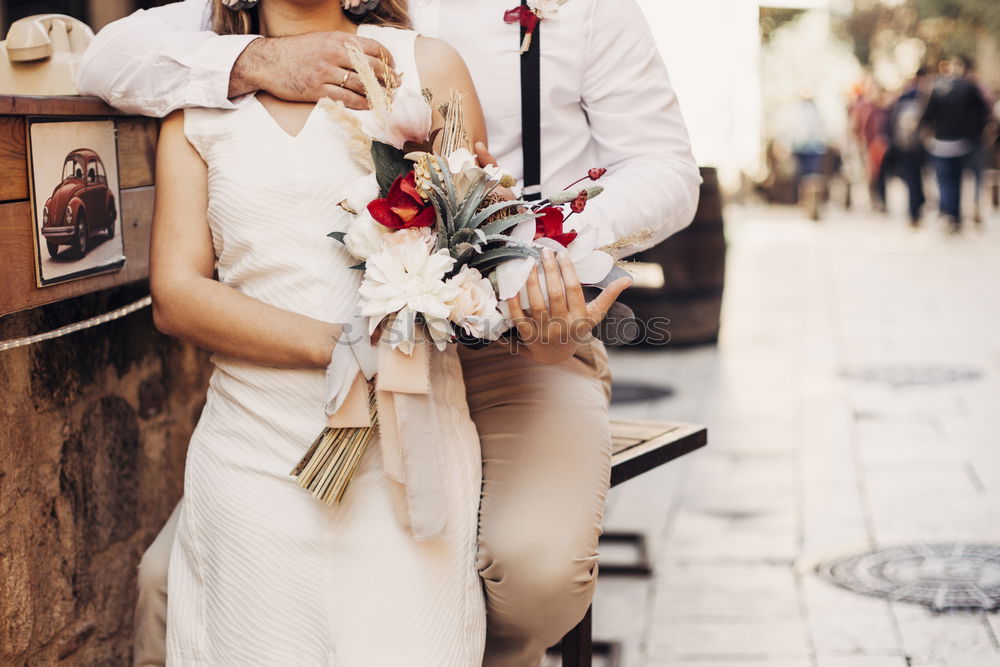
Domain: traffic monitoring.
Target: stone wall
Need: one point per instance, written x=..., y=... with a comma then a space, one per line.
x=93, y=433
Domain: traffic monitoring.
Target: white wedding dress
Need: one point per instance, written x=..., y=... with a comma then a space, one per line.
x=262, y=573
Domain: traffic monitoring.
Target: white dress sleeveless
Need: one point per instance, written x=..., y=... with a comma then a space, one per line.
x=262, y=573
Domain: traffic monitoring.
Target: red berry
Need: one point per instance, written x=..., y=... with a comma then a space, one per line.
x=580, y=203
x=596, y=173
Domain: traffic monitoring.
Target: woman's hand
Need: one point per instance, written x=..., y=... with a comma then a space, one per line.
x=551, y=335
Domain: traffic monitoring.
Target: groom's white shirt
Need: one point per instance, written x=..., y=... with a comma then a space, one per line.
x=607, y=99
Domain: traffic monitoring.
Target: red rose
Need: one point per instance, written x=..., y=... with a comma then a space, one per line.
x=550, y=226
x=403, y=207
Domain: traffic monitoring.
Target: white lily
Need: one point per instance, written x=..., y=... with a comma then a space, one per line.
x=465, y=171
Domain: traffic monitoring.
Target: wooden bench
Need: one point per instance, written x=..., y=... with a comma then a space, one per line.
x=638, y=448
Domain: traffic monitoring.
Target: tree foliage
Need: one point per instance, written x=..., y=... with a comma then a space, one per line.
x=981, y=13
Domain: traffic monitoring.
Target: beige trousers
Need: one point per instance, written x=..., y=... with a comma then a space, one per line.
x=546, y=471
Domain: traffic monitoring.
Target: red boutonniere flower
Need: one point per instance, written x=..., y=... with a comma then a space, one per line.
x=550, y=226
x=403, y=207
x=529, y=16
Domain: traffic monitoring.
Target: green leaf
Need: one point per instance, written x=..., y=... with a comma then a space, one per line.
x=463, y=236
x=359, y=267
x=389, y=165
x=500, y=226
x=490, y=211
x=464, y=253
x=493, y=258
x=449, y=184
x=337, y=236
x=471, y=204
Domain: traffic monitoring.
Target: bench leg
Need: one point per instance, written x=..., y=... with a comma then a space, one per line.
x=577, y=646
x=642, y=567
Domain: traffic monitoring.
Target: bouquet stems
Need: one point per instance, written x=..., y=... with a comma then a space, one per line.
x=328, y=467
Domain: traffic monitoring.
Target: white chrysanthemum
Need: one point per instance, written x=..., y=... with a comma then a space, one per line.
x=407, y=280
x=474, y=308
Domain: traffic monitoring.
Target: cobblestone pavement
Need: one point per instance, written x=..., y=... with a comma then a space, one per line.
x=853, y=402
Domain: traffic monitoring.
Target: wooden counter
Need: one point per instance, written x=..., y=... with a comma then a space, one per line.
x=136, y=163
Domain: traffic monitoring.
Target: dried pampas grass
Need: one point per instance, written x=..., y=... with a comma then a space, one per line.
x=358, y=143
x=379, y=96
x=621, y=247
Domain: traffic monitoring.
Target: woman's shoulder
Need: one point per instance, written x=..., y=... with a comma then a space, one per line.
x=204, y=127
x=439, y=61
x=430, y=59
x=436, y=52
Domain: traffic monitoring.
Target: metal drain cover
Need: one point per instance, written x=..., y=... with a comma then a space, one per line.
x=944, y=577
x=902, y=375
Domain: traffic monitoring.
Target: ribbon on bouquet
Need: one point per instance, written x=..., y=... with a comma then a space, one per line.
x=401, y=406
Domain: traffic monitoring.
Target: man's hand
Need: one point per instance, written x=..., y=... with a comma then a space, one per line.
x=307, y=68
x=552, y=333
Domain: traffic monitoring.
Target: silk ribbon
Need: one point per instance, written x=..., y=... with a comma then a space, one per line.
x=409, y=431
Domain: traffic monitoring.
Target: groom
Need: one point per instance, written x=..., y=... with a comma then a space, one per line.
x=606, y=100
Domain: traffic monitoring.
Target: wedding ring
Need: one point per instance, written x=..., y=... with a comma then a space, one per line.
x=347, y=77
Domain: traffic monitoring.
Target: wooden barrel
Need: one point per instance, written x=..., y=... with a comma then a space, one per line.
x=687, y=309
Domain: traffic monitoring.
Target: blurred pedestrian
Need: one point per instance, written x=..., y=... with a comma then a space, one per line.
x=808, y=141
x=979, y=160
x=956, y=116
x=908, y=156
x=877, y=148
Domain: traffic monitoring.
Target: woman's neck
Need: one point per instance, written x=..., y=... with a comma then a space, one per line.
x=281, y=18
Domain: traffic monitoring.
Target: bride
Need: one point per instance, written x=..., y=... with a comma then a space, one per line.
x=262, y=573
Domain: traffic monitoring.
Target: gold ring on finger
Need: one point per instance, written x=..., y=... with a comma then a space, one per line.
x=347, y=77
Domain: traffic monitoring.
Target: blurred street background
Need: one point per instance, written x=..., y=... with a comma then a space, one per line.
x=851, y=404
x=852, y=398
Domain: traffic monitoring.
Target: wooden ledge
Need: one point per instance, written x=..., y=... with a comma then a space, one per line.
x=639, y=446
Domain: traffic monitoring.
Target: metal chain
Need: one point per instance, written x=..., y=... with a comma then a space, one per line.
x=144, y=302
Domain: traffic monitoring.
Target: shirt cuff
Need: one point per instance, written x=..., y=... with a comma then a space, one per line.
x=214, y=62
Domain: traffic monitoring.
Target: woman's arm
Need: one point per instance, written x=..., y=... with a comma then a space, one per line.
x=188, y=302
x=442, y=70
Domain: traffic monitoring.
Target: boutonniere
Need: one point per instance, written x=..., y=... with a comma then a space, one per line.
x=530, y=15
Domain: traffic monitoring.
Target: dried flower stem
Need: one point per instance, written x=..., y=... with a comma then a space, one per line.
x=358, y=143
x=453, y=135
x=379, y=96
x=628, y=242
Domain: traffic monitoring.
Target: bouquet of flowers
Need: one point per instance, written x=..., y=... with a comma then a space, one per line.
x=444, y=243
x=442, y=246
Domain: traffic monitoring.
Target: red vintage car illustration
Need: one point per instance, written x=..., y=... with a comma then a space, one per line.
x=81, y=207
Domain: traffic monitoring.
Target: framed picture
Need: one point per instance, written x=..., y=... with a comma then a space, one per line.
x=75, y=198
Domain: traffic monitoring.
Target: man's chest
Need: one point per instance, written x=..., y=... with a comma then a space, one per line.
x=491, y=48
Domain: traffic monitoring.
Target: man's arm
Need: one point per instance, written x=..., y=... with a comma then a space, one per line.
x=162, y=59
x=653, y=184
